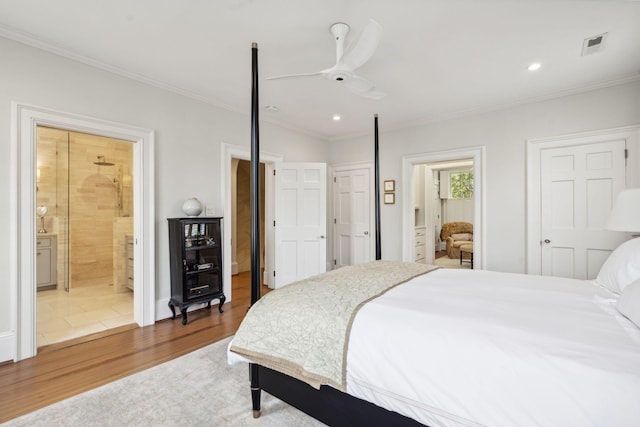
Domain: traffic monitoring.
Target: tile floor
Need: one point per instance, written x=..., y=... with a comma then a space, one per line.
x=61, y=315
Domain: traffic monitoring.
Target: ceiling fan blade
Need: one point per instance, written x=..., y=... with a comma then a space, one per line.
x=363, y=87
x=286, y=76
x=364, y=48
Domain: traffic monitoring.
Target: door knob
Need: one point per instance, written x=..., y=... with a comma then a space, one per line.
x=547, y=241
x=366, y=233
x=322, y=237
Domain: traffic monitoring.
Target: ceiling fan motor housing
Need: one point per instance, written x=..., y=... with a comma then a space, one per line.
x=340, y=73
x=339, y=30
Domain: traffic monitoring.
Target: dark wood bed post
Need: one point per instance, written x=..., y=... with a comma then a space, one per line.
x=327, y=404
x=377, y=186
x=255, y=216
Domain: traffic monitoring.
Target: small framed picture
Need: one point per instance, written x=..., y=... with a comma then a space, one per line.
x=389, y=185
x=389, y=198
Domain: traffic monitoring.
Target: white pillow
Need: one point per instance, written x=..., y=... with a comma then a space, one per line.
x=629, y=302
x=622, y=267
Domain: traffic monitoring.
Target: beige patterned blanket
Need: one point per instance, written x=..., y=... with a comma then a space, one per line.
x=302, y=329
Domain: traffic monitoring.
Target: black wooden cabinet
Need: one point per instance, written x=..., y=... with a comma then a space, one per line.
x=195, y=246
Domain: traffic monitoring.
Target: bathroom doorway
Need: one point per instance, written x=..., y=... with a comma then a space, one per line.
x=84, y=239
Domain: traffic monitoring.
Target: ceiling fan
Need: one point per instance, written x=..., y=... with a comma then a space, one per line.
x=347, y=62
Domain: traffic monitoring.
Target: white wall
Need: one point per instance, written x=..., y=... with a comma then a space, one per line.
x=457, y=210
x=189, y=134
x=504, y=134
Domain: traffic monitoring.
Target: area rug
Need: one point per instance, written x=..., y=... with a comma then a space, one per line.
x=446, y=262
x=197, y=389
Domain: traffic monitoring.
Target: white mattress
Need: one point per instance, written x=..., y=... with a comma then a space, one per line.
x=469, y=348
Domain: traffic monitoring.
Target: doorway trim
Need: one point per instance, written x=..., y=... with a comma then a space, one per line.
x=229, y=152
x=631, y=134
x=25, y=119
x=408, y=218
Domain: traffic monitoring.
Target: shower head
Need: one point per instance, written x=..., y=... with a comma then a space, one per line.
x=102, y=162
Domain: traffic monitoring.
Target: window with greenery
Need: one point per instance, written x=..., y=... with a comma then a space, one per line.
x=461, y=185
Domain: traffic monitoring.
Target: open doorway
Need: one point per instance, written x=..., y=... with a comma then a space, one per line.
x=301, y=177
x=84, y=241
x=231, y=154
x=423, y=214
x=443, y=193
x=24, y=215
x=241, y=223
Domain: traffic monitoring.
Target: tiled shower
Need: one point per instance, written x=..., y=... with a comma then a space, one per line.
x=84, y=183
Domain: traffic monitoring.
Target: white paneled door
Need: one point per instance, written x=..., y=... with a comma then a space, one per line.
x=578, y=186
x=352, y=217
x=300, y=221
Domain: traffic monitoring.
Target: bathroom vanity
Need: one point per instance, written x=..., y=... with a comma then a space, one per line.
x=46, y=261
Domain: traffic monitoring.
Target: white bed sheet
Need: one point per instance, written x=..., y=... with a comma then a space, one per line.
x=470, y=348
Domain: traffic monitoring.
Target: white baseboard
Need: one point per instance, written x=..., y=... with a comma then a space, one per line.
x=234, y=268
x=7, y=344
x=162, y=309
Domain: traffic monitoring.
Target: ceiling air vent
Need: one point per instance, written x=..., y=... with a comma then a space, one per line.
x=593, y=44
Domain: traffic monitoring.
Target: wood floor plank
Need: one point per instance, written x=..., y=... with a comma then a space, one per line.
x=63, y=370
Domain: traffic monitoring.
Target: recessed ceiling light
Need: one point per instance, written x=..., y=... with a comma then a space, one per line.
x=535, y=66
x=336, y=118
x=272, y=108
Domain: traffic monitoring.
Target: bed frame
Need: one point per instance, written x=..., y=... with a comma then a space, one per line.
x=326, y=404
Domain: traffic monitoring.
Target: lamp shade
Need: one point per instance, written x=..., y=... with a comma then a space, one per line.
x=625, y=214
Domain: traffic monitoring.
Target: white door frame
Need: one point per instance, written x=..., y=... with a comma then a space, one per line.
x=430, y=242
x=342, y=167
x=230, y=151
x=408, y=204
x=25, y=119
x=631, y=134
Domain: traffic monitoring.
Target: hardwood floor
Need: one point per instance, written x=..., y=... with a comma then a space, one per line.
x=63, y=370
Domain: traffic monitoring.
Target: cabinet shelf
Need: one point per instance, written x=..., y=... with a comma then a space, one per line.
x=190, y=284
x=200, y=247
x=195, y=272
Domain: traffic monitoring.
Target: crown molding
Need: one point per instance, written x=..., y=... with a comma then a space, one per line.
x=35, y=42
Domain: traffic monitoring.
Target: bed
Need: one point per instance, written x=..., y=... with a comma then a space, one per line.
x=470, y=348
x=449, y=347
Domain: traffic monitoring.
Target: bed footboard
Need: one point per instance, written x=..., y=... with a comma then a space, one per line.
x=327, y=404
